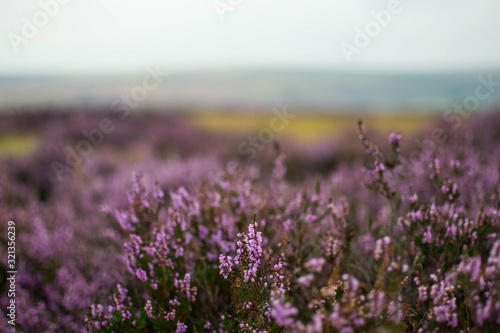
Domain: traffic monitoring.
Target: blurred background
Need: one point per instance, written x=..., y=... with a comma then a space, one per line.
x=223, y=66
x=192, y=92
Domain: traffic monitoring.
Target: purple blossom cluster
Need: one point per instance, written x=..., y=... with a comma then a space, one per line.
x=413, y=247
x=250, y=247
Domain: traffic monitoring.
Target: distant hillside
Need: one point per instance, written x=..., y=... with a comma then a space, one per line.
x=259, y=89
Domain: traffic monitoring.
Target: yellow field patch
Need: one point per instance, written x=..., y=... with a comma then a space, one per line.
x=310, y=127
x=18, y=144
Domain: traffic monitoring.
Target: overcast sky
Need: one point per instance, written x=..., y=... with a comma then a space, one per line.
x=121, y=36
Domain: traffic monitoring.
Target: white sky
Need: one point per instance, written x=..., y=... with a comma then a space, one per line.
x=113, y=36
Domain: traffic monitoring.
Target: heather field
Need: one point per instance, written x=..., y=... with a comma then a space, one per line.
x=162, y=223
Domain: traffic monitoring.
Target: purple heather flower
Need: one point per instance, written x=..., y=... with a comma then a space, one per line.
x=124, y=220
x=136, y=243
x=378, y=250
x=427, y=236
x=367, y=242
x=379, y=167
x=394, y=139
x=158, y=193
x=377, y=302
x=315, y=264
x=252, y=245
x=316, y=325
x=493, y=263
x=225, y=265
x=149, y=309
x=141, y=274
x=380, y=247
x=184, y=286
x=283, y=313
x=181, y=328
x=336, y=319
x=471, y=266
x=305, y=280
x=138, y=190
x=422, y=293
x=279, y=170
x=122, y=292
x=351, y=284
x=446, y=313
x=170, y=316
x=359, y=321
x=96, y=311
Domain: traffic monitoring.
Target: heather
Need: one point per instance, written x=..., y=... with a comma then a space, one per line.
x=367, y=233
